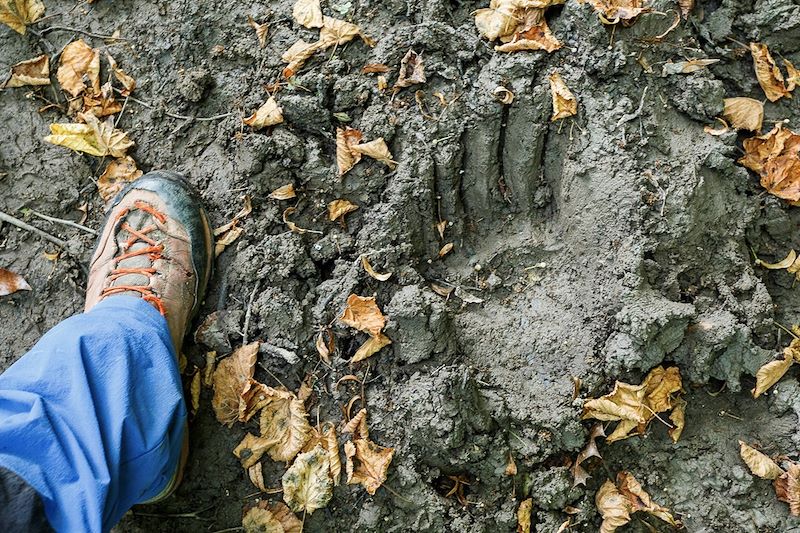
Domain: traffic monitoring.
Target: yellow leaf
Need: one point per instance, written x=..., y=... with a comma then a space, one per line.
x=495, y=22
x=785, y=263
x=268, y=114
x=613, y=507
x=787, y=488
x=34, y=71
x=94, y=138
x=511, y=466
x=127, y=81
x=325, y=349
x=446, y=249
x=117, y=174
x=283, y=193
x=625, y=402
x=346, y=157
x=660, y=386
x=298, y=54
x=367, y=463
x=372, y=346
x=284, y=418
x=371, y=271
x=79, y=60
x=363, y=314
x=564, y=102
x=332, y=447
x=376, y=149
x=535, y=37
x=307, y=484
x=11, y=282
x=641, y=501
x=307, y=13
x=769, y=374
x=524, y=516
x=18, y=14
x=252, y=448
x=774, y=156
x=758, y=463
x=768, y=74
x=230, y=379
x=613, y=11
x=337, y=32
x=195, y=392
x=579, y=474
x=793, y=78
x=266, y=518
x=261, y=31
x=412, y=70
x=744, y=113
x=677, y=417
x=339, y=208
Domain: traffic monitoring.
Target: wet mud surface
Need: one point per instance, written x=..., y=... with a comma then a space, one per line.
x=602, y=246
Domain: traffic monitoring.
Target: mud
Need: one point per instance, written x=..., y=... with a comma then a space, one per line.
x=602, y=246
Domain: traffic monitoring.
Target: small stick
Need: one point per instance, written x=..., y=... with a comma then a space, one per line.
x=63, y=221
x=247, y=313
x=84, y=32
x=175, y=115
x=22, y=225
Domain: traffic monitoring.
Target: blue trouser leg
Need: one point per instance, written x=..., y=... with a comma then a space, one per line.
x=93, y=416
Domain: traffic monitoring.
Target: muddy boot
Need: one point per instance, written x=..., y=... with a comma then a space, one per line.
x=156, y=244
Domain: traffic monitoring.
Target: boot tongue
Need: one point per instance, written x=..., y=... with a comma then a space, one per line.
x=138, y=220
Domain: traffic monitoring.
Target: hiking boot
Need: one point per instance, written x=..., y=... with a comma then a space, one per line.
x=156, y=244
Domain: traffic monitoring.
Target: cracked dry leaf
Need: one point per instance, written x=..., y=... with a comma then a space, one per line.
x=94, y=138
x=678, y=419
x=346, y=157
x=625, y=402
x=787, y=488
x=363, y=314
x=11, y=282
x=412, y=70
x=758, y=463
x=307, y=13
x=373, y=345
x=641, y=501
x=79, y=61
x=367, y=463
x=18, y=14
x=767, y=72
x=371, y=271
x=339, y=208
x=307, y=484
x=127, y=81
x=117, y=174
x=266, y=518
x=564, y=102
x=101, y=104
x=285, y=192
x=34, y=71
x=613, y=507
x=284, y=417
x=744, y=113
x=660, y=384
x=769, y=374
x=261, y=31
x=372, y=68
x=230, y=379
x=331, y=445
x=535, y=37
x=377, y=150
x=269, y=114
x=496, y=21
x=775, y=156
x=524, y=516
x=579, y=474
x=251, y=449
x=793, y=75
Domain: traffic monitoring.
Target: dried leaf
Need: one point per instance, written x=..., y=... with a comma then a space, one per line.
x=535, y=37
x=307, y=13
x=564, y=102
x=467, y=297
x=793, y=75
x=412, y=70
x=298, y=54
x=194, y=388
x=443, y=291
x=579, y=474
x=283, y=419
x=376, y=149
x=79, y=61
x=252, y=448
x=768, y=74
x=371, y=68
x=367, y=463
x=256, y=475
x=34, y=71
x=678, y=418
x=758, y=463
x=268, y=114
x=11, y=282
x=625, y=402
x=230, y=379
x=18, y=14
x=774, y=156
x=94, y=138
x=524, y=516
x=372, y=346
x=719, y=131
x=496, y=21
x=641, y=501
x=511, y=466
x=100, y=104
x=614, y=11
x=339, y=208
x=332, y=447
x=613, y=507
x=127, y=81
x=325, y=349
x=208, y=372
x=283, y=193
x=769, y=374
x=363, y=314
x=787, y=488
x=503, y=95
x=337, y=32
x=744, y=113
x=686, y=67
x=660, y=386
x=266, y=518
x=357, y=425
x=117, y=174
x=346, y=157
x=446, y=249
x=686, y=7
x=261, y=31
x=307, y=484
x=294, y=228
x=383, y=83
x=371, y=271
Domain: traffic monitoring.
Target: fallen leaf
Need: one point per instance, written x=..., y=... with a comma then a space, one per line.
x=339, y=208
x=117, y=174
x=660, y=387
x=564, y=102
x=443, y=291
x=127, y=81
x=625, y=402
x=744, y=113
x=467, y=297
x=268, y=114
x=758, y=463
x=498, y=20
x=686, y=67
x=614, y=11
x=94, y=138
x=346, y=157
x=18, y=14
x=283, y=420
x=367, y=463
x=678, y=419
x=446, y=249
x=787, y=488
x=412, y=70
x=325, y=349
x=283, y=193
x=34, y=71
x=307, y=13
x=266, y=518
x=768, y=74
x=298, y=54
x=11, y=282
x=194, y=389
x=376, y=149
x=79, y=61
x=535, y=37
x=774, y=156
x=294, y=228
x=372, y=346
x=719, y=131
x=337, y=32
x=357, y=425
x=511, y=466
x=371, y=68
x=371, y=271
x=503, y=95
x=613, y=507
x=579, y=474
x=230, y=378
x=227, y=234
x=261, y=31
x=769, y=374
x=363, y=314
x=100, y=104
x=524, y=516
x=252, y=448
x=208, y=372
x=332, y=447
x=686, y=7
x=307, y=484
x=793, y=77
x=256, y=475
x=383, y=83
x=641, y=501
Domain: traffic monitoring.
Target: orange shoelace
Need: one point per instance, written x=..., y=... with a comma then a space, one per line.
x=153, y=250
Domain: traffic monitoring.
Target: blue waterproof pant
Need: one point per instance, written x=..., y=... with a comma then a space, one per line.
x=92, y=418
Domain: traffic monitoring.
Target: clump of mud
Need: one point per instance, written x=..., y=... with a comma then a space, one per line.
x=601, y=245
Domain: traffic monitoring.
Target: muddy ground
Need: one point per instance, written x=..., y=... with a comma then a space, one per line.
x=602, y=245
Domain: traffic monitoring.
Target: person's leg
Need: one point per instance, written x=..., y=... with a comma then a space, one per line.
x=93, y=416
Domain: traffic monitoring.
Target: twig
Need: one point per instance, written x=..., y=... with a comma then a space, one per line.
x=227, y=530
x=247, y=313
x=84, y=32
x=63, y=221
x=176, y=115
x=22, y=225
